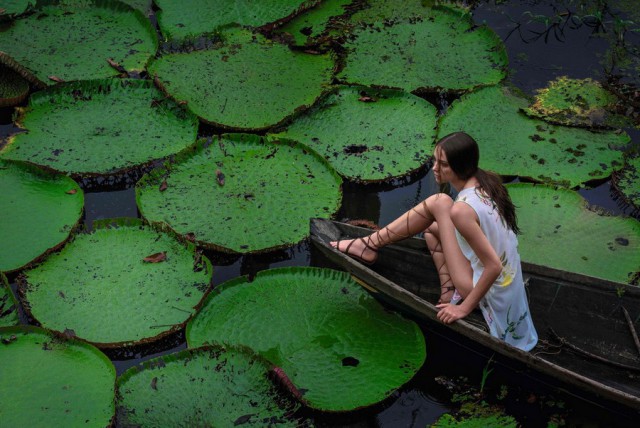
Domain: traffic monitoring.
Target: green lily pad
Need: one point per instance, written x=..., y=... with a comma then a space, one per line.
x=444, y=52
x=143, y=6
x=559, y=231
x=177, y=20
x=48, y=380
x=75, y=42
x=248, y=83
x=11, y=8
x=38, y=210
x=8, y=304
x=513, y=144
x=477, y=415
x=627, y=181
x=100, y=127
x=241, y=194
x=311, y=25
x=336, y=344
x=574, y=102
x=384, y=10
x=368, y=134
x=209, y=386
x=101, y=287
x=13, y=87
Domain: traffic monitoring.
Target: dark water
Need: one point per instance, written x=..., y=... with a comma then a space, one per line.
x=576, y=53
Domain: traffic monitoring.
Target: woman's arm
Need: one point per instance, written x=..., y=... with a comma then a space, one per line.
x=466, y=222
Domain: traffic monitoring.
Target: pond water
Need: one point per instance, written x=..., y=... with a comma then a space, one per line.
x=573, y=51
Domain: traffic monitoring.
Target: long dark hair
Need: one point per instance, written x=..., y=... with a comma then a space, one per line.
x=463, y=156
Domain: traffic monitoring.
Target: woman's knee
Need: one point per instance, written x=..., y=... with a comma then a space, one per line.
x=439, y=204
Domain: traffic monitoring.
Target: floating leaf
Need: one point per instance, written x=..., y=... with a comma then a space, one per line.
x=177, y=20
x=444, y=51
x=627, y=181
x=270, y=192
x=12, y=8
x=8, y=304
x=37, y=213
x=574, y=102
x=316, y=22
x=559, y=231
x=323, y=319
x=100, y=127
x=51, y=381
x=110, y=296
x=367, y=141
x=249, y=83
x=478, y=415
x=13, y=87
x=384, y=10
x=178, y=389
x=73, y=42
x=513, y=144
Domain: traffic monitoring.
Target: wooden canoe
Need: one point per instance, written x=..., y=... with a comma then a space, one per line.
x=586, y=339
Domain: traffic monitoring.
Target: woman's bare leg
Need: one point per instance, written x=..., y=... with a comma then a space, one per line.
x=434, y=245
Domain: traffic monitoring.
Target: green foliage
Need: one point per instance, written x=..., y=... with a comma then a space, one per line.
x=13, y=87
x=248, y=83
x=100, y=127
x=241, y=194
x=444, y=52
x=477, y=415
x=316, y=23
x=208, y=386
x=100, y=286
x=38, y=210
x=513, y=144
x=75, y=42
x=339, y=347
x=368, y=134
x=11, y=8
x=48, y=380
x=627, y=181
x=558, y=231
x=195, y=17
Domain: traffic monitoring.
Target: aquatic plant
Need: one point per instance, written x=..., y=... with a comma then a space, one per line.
x=13, y=87
x=8, y=304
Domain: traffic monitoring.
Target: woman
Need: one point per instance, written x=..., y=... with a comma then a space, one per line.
x=472, y=240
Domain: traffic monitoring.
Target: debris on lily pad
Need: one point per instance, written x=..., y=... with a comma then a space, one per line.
x=513, y=144
x=248, y=83
x=576, y=102
x=553, y=223
x=49, y=380
x=242, y=194
x=63, y=42
x=337, y=346
x=38, y=211
x=8, y=304
x=368, y=134
x=100, y=287
x=207, y=386
x=13, y=87
x=443, y=52
x=100, y=127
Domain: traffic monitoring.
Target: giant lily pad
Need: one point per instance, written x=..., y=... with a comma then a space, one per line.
x=37, y=213
x=195, y=17
x=444, y=51
x=559, y=231
x=13, y=87
x=101, y=126
x=10, y=8
x=368, y=134
x=118, y=286
x=513, y=144
x=309, y=26
x=249, y=83
x=241, y=194
x=575, y=102
x=336, y=344
x=51, y=381
x=209, y=386
x=75, y=42
x=627, y=181
x=8, y=304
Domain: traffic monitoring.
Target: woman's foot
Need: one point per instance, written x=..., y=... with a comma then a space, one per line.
x=361, y=249
x=446, y=293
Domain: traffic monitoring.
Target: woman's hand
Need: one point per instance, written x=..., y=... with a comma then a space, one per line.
x=449, y=313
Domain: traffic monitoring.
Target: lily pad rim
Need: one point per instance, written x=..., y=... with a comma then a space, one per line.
x=134, y=344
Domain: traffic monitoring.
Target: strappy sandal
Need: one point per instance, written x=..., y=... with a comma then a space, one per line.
x=447, y=289
x=356, y=256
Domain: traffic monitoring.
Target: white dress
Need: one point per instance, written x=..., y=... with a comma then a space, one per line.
x=504, y=307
